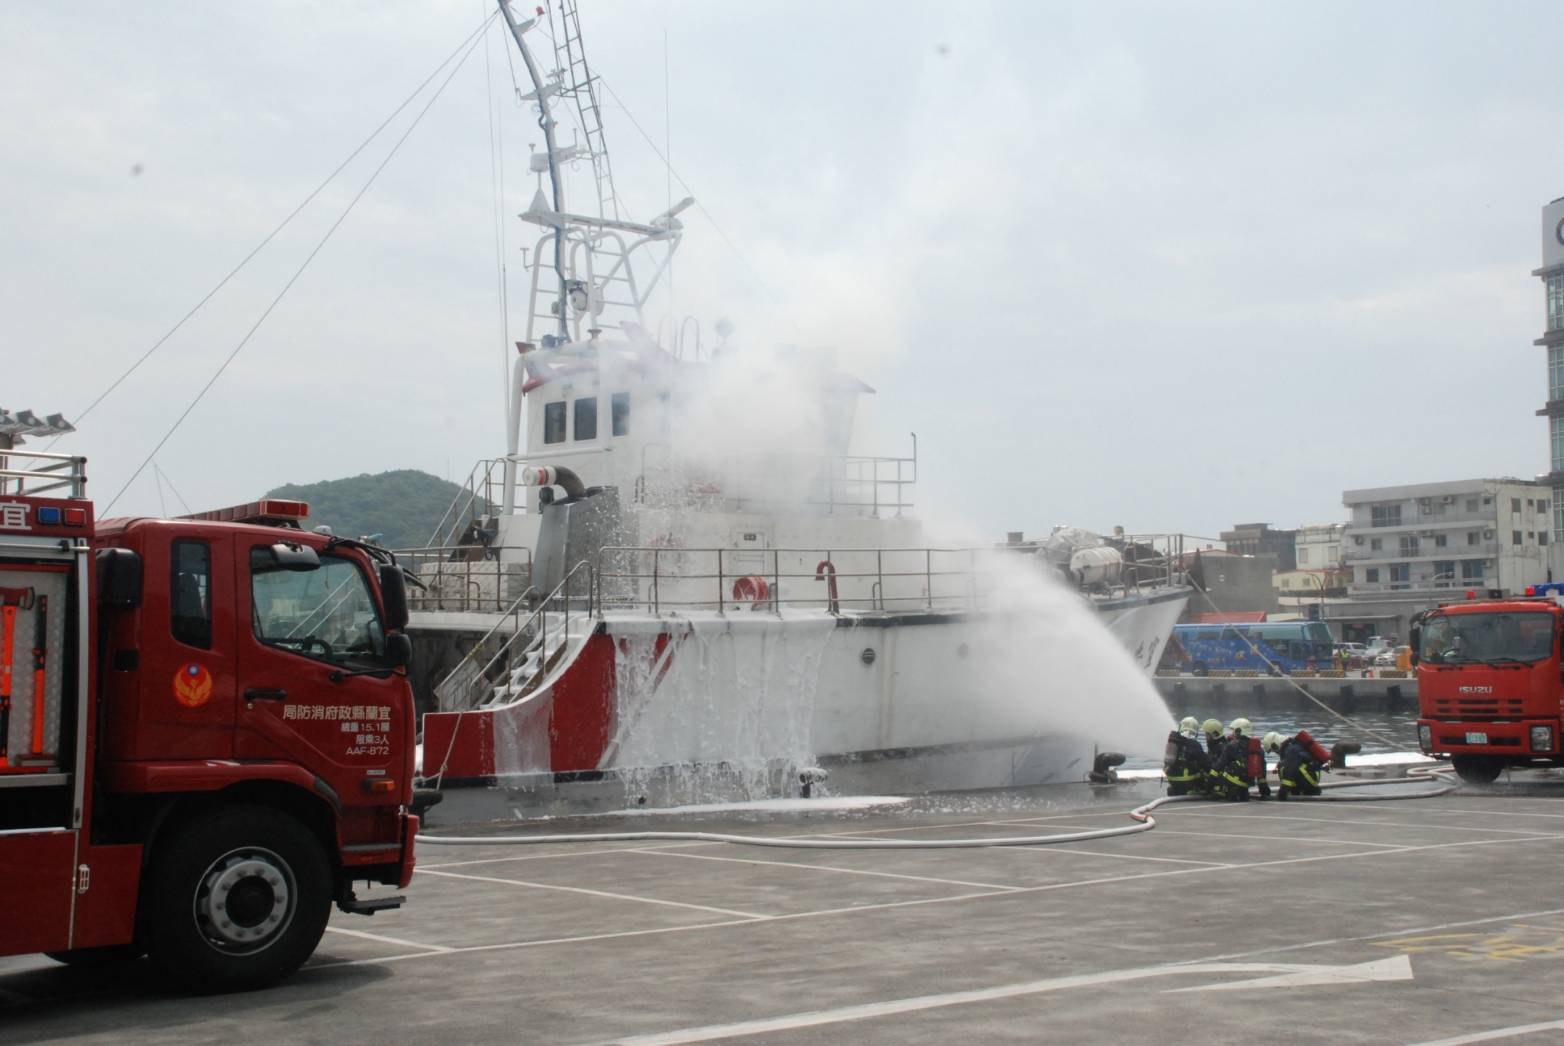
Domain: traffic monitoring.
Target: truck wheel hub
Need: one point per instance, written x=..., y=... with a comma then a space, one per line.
x=245, y=900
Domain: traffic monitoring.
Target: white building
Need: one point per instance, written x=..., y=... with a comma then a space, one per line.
x=1319, y=546
x=1552, y=275
x=1465, y=534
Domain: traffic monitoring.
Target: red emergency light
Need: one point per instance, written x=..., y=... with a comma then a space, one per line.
x=273, y=512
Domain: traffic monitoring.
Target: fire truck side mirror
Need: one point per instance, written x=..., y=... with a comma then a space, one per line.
x=393, y=590
x=1415, y=638
x=399, y=650
x=119, y=578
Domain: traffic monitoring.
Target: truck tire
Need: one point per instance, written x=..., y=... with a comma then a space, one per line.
x=237, y=898
x=1478, y=769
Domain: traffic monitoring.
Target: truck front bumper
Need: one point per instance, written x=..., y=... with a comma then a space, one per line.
x=1511, y=739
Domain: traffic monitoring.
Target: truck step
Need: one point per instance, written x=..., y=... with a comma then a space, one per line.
x=354, y=906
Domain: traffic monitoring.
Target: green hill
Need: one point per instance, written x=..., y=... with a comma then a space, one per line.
x=403, y=506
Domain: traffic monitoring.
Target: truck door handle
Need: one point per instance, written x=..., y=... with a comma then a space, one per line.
x=266, y=694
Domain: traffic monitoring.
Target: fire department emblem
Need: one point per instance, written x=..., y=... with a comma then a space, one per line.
x=192, y=685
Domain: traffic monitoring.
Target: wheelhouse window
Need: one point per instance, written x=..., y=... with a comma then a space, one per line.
x=586, y=418
x=554, y=422
x=620, y=414
x=327, y=613
x=190, y=606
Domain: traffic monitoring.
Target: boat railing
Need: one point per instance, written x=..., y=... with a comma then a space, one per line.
x=35, y=472
x=844, y=484
x=476, y=578
x=477, y=497
x=1151, y=560
x=519, y=640
x=669, y=579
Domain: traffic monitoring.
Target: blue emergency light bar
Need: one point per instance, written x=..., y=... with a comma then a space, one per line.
x=1551, y=588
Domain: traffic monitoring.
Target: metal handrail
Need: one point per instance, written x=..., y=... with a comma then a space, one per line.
x=50, y=472
x=1165, y=569
x=459, y=513
x=482, y=580
x=520, y=627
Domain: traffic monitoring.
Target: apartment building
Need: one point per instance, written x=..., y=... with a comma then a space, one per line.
x=1464, y=534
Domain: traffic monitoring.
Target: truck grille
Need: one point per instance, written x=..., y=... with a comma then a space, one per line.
x=1478, y=707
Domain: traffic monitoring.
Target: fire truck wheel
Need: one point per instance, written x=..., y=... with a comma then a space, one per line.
x=1478, y=769
x=237, y=898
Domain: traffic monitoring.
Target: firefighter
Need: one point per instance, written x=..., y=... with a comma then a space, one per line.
x=1212, y=728
x=1302, y=760
x=1184, y=761
x=1240, y=765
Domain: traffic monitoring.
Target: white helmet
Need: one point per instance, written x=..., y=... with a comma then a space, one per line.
x=1189, y=725
x=1272, y=742
x=1240, y=726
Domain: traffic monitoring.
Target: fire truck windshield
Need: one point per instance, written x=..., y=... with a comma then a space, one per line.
x=1495, y=638
x=327, y=613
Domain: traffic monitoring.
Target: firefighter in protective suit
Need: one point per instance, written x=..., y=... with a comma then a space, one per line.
x=1302, y=759
x=1184, y=761
x=1212, y=728
x=1240, y=765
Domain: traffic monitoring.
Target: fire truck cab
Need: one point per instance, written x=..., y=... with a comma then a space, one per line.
x=1490, y=691
x=206, y=732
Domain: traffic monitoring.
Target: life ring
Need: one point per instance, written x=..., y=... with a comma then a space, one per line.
x=753, y=588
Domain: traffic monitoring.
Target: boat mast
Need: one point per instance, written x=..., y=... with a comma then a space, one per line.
x=542, y=92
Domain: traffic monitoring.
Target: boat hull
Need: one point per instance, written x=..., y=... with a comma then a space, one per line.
x=660, y=711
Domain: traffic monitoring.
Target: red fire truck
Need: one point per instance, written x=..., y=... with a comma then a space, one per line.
x=1490, y=694
x=206, y=732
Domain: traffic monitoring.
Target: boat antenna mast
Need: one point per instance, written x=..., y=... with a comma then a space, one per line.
x=596, y=283
x=541, y=92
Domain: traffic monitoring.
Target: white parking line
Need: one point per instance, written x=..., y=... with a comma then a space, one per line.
x=1379, y=824
x=549, y=855
x=1488, y=812
x=1162, y=829
x=1496, y=1033
x=386, y=940
x=598, y=893
x=834, y=868
x=541, y=943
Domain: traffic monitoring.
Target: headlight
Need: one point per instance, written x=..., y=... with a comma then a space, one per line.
x=1425, y=737
x=1542, y=739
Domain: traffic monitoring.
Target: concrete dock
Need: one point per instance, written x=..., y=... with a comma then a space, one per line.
x=1348, y=694
x=1415, y=921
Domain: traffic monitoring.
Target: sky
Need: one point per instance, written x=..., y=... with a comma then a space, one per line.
x=1165, y=266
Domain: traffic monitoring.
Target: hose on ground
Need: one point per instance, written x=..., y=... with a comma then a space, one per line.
x=1142, y=816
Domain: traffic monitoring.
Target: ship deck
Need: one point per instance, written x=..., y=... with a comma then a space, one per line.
x=1366, y=922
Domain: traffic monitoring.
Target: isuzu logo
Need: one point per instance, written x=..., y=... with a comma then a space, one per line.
x=1476, y=689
